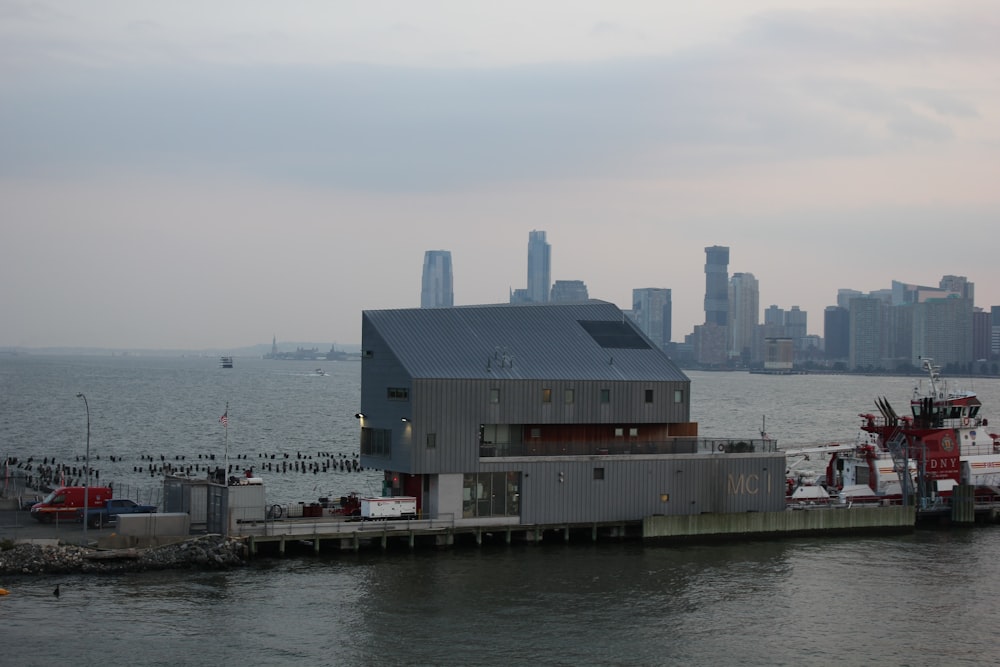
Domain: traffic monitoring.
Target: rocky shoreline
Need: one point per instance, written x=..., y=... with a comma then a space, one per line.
x=209, y=552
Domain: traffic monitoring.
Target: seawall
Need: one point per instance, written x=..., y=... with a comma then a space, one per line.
x=763, y=524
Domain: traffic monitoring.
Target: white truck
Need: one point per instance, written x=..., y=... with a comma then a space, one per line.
x=390, y=507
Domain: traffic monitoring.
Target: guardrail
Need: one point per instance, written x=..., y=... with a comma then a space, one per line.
x=673, y=446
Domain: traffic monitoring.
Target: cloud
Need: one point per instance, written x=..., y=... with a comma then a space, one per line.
x=377, y=127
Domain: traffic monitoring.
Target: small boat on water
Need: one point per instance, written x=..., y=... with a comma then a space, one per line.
x=226, y=362
x=941, y=443
x=320, y=371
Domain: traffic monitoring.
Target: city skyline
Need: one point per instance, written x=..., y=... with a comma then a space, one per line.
x=190, y=176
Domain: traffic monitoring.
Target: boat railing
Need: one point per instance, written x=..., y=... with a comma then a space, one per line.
x=631, y=448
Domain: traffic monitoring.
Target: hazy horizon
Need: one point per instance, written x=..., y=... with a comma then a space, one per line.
x=190, y=176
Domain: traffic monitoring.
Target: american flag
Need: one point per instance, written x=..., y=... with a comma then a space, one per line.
x=225, y=419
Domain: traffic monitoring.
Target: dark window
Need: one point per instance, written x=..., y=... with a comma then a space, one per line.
x=546, y=395
x=432, y=440
x=649, y=395
x=569, y=396
x=376, y=442
x=605, y=396
x=598, y=473
x=678, y=395
x=494, y=395
x=398, y=393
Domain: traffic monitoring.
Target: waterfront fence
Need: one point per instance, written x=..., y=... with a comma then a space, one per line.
x=631, y=447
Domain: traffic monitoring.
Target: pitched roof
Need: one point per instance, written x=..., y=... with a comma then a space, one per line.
x=588, y=340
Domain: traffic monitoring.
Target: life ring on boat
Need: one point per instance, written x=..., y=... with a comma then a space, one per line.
x=722, y=447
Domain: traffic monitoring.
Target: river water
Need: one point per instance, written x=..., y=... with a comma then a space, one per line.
x=927, y=598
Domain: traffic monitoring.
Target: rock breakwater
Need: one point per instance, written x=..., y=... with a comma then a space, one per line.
x=210, y=552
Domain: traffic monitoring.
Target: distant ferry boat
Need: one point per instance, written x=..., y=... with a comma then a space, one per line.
x=226, y=362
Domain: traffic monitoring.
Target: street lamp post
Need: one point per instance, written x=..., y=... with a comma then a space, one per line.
x=86, y=488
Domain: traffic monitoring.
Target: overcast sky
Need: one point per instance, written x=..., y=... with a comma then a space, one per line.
x=190, y=175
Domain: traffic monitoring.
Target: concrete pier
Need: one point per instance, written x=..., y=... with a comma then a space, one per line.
x=824, y=521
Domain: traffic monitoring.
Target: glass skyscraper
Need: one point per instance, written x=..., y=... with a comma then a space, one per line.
x=436, y=289
x=717, y=285
x=539, y=267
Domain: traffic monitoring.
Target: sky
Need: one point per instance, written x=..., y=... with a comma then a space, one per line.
x=190, y=175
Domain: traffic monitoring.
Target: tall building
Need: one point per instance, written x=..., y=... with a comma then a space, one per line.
x=539, y=267
x=436, y=289
x=652, y=310
x=865, y=348
x=995, y=330
x=960, y=286
x=717, y=285
x=942, y=330
x=569, y=290
x=981, y=334
x=775, y=316
x=744, y=314
x=836, y=331
x=796, y=321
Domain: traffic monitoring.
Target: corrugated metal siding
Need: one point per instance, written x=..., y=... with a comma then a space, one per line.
x=454, y=409
x=379, y=372
x=633, y=487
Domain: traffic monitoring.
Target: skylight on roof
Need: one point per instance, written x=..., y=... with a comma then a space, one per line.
x=614, y=335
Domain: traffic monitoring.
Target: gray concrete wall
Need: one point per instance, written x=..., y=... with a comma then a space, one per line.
x=784, y=522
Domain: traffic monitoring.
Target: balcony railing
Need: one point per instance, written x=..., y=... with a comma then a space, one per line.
x=673, y=446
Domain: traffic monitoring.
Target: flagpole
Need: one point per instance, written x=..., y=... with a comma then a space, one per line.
x=225, y=475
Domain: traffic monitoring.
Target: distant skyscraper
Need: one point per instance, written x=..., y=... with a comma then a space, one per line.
x=981, y=334
x=959, y=285
x=569, y=290
x=796, y=321
x=539, y=267
x=836, y=331
x=865, y=348
x=717, y=285
x=942, y=330
x=775, y=317
x=436, y=289
x=995, y=329
x=652, y=311
x=844, y=297
x=744, y=314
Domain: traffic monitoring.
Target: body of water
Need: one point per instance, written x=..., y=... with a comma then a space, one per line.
x=922, y=599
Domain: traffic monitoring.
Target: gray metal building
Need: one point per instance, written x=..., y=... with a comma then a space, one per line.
x=544, y=413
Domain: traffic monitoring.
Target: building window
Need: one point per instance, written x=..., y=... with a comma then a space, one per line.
x=546, y=395
x=598, y=473
x=491, y=494
x=649, y=395
x=569, y=396
x=619, y=431
x=605, y=396
x=633, y=432
x=376, y=442
x=678, y=395
x=536, y=433
x=494, y=395
x=398, y=393
x=432, y=440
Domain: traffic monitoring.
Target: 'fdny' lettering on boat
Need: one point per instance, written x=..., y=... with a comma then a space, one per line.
x=945, y=463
